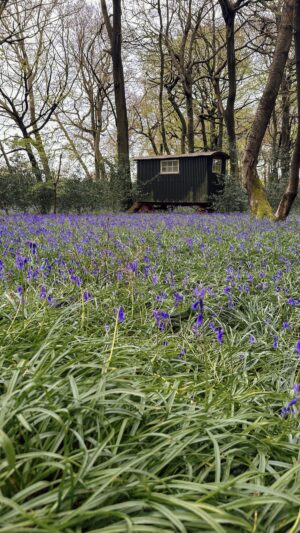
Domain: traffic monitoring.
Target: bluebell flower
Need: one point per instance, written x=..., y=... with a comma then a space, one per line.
x=200, y=292
x=155, y=279
x=197, y=305
x=298, y=348
x=293, y=401
x=178, y=297
x=86, y=296
x=133, y=266
x=220, y=335
x=199, y=320
x=33, y=247
x=284, y=411
x=43, y=293
x=121, y=314
x=21, y=261
x=161, y=318
x=252, y=339
x=285, y=325
x=296, y=388
x=292, y=302
x=161, y=296
x=275, y=342
x=182, y=353
x=76, y=280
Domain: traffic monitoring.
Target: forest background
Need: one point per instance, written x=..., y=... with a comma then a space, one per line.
x=87, y=86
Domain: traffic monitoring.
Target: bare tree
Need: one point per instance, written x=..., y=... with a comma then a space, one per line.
x=33, y=79
x=114, y=31
x=84, y=115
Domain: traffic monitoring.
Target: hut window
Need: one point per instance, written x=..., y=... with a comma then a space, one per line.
x=217, y=166
x=169, y=166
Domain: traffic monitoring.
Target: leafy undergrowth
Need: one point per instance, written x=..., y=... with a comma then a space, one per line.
x=149, y=374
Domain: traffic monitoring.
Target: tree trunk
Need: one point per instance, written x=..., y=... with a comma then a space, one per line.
x=9, y=167
x=273, y=174
x=161, y=82
x=203, y=129
x=180, y=115
x=285, y=138
x=229, y=112
x=114, y=31
x=34, y=164
x=291, y=191
x=188, y=90
x=221, y=133
x=258, y=201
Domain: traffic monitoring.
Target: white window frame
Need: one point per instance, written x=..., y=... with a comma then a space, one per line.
x=218, y=162
x=171, y=166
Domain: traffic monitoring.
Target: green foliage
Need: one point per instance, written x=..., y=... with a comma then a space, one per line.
x=275, y=190
x=21, y=192
x=103, y=426
x=231, y=196
x=17, y=189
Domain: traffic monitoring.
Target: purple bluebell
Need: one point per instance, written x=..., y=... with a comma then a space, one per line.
x=161, y=318
x=182, y=353
x=155, y=279
x=296, y=388
x=220, y=335
x=178, y=298
x=199, y=320
x=133, y=266
x=121, y=314
x=43, y=293
x=33, y=247
x=77, y=280
x=297, y=348
x=86, y=295
x=21, y=261
x=198, y=304
x=292, y=402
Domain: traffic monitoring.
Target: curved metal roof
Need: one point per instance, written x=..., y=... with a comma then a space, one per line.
x=177, y=156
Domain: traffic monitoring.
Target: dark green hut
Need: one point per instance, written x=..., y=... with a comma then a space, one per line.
x=185, y=179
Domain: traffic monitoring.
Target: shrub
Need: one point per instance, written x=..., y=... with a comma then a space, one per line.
x=231, y=196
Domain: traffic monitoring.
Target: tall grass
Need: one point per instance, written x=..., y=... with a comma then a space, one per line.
x=139, y=426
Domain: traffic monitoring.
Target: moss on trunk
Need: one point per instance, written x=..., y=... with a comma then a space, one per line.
x=259, y=204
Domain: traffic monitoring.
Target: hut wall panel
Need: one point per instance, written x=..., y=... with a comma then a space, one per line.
x=190, y=185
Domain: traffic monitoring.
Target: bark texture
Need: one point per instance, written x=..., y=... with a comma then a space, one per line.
x=258, y=201
x=291, y=191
